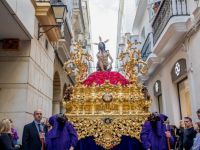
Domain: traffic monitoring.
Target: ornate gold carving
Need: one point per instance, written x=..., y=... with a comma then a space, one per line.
x=107, y=97
x=107, y=111
x=108, y=134
x=133, y=63
x=79, y=59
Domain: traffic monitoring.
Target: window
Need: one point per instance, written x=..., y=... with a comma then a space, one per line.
x=160, y=104
x=158, y=94
x=184, y=98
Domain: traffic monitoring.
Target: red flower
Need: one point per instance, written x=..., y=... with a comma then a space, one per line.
x=100, y=77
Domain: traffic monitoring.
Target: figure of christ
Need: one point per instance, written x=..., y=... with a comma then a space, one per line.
x=103, y=55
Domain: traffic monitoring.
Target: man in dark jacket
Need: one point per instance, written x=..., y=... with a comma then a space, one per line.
x=33, y=133
x=188, y=134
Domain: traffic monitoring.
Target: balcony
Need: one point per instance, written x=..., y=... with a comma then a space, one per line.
x=146, y=48
x=45, y=16
x=169, y=26
x=168, y=9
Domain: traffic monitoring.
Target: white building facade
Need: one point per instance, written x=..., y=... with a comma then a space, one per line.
x=169, y=32
x=82, y=26
x=124, y=27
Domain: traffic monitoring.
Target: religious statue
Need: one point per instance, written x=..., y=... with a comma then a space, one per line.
x=103, y=64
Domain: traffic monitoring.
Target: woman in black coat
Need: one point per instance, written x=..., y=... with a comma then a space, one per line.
x=5, y=136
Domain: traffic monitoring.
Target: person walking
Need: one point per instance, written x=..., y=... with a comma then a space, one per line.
x=62, y=136
x=155, y=135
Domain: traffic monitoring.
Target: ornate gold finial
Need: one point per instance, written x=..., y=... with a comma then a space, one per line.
x=79, y=59
x=130, y=44
x=133, y=63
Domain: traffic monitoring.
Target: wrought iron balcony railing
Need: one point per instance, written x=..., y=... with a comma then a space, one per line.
x=146, y=48
x=167, y=10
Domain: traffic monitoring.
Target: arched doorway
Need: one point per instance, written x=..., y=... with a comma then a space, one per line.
x=56, y=93
x=180, y=78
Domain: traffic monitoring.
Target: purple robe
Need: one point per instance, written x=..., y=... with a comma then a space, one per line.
x=154, y=138
x=60, y=137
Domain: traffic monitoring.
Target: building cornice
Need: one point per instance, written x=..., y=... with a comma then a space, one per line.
x=139, y=14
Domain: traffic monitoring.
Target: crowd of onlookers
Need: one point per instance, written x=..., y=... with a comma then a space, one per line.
x=157, y=134
x=187, y=135
x=57, y=133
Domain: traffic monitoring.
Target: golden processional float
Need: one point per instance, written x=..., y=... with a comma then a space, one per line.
x=107, y=111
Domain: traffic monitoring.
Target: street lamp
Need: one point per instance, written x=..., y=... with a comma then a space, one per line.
x=59, y=10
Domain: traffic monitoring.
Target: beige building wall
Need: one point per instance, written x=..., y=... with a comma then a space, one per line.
x=26, y=74
x=26, y=82
x=31, y=77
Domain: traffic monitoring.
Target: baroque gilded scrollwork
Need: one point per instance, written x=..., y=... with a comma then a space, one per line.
x=79, y=59
x=108, y=111
x=133, y=62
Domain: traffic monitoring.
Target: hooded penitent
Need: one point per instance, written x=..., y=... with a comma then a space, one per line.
x=153, y=133
x=62, y=136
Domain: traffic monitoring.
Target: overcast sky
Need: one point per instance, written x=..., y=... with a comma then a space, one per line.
x=104, y=15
